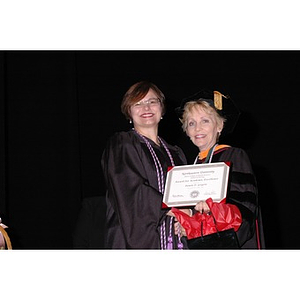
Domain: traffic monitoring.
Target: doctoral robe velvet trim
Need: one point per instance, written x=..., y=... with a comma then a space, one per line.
x=242, y=189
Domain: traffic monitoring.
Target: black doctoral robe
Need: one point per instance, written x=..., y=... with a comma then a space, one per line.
x=242, y=192
x=133, y=200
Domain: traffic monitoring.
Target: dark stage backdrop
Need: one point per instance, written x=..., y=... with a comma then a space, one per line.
x=58, y=108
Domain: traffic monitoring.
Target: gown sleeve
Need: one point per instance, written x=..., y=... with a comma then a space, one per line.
x=131, y=191
x=242, y=191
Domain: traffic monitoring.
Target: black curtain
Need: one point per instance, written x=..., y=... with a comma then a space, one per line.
x=58, y=108
x=3, y=214
x=42, y=146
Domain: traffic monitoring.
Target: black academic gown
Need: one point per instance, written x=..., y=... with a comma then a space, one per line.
x=133, y=199
x=242, y=192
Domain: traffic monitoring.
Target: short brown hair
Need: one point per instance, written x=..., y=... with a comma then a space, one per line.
x=137, y=92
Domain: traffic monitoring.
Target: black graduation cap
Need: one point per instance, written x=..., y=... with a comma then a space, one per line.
x=224, y=105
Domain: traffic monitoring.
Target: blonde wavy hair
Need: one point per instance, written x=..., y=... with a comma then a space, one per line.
x=205, y=107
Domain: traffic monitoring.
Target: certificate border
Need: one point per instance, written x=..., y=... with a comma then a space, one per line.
x=190, y=202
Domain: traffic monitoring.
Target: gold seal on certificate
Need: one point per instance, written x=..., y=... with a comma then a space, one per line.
x=189, y=184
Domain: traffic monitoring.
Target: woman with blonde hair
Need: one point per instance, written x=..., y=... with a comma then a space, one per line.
x=205, y=116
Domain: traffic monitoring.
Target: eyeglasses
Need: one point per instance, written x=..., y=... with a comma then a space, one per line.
x=151, y=102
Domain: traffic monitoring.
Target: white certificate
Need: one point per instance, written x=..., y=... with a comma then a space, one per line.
x=189, y=184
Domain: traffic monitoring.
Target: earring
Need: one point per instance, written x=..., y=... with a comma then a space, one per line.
x=130, y=121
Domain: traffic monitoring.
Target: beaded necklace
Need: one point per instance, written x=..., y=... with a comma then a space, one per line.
x=161, y=188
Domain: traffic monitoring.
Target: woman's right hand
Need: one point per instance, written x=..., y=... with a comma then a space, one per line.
x=202, y=207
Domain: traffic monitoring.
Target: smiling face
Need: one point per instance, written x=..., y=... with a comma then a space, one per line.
x=147, y=112
x=202, y=126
